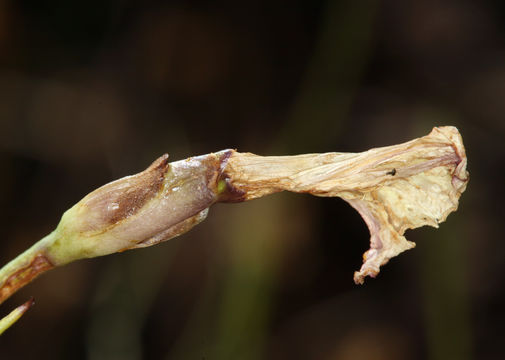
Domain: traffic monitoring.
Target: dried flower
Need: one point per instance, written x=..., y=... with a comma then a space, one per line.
x=394, y=188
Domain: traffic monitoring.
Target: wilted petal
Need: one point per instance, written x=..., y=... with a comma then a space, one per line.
x=394, y=188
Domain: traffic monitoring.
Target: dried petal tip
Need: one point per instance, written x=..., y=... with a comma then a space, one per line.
x=430, y=177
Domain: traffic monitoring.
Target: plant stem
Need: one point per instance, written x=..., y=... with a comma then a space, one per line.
x=25, y=268
x=15, y=315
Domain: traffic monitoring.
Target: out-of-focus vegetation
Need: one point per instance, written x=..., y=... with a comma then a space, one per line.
x=94, y=90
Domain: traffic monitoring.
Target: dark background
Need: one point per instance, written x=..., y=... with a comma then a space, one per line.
x=91, y=91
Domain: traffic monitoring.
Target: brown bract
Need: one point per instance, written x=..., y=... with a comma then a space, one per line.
x=155, y=205
x=120, y=199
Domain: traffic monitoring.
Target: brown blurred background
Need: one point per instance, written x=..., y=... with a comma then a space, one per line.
x=91, y=91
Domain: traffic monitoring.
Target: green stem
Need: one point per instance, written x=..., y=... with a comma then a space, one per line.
x=14, y=315
x=25, y=268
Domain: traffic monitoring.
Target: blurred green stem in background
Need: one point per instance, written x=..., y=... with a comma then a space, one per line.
x=446, y=300
x=253, y=238
x=332, y=77
x=123, y=298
